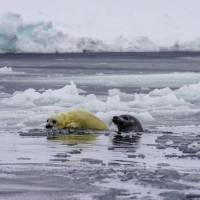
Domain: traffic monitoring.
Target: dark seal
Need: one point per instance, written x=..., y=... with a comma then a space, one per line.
x=127, y=123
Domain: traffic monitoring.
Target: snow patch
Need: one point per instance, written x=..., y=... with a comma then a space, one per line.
x=8, y=70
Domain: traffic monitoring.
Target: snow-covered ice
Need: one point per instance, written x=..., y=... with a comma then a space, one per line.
x=94, y=25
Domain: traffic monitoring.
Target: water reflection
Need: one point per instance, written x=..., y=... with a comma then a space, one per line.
x=130, y=138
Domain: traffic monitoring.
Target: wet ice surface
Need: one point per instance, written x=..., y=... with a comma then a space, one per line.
x=156, y=165
x=163, y=163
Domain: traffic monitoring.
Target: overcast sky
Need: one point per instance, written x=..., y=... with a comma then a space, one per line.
x=61, y=9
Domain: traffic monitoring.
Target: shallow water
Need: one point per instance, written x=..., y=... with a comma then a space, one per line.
x=162, y=90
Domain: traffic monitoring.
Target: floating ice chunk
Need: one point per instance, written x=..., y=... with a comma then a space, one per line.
x=189, y=92
x=148, y=101
x=68, y=95
x=123, y=96
x=92, y=103
x=31, y=107
x=6, y=70
x=161, y=92
x=169, y=142
x=145, y=116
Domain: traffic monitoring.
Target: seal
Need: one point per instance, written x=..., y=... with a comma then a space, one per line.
x=127, y=123
x=76, y=119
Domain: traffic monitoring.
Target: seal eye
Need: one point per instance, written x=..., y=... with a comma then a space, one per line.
x=126, y=118
x=54, y=121
x=47, y=120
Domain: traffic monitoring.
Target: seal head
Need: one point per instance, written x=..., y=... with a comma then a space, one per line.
x=127, y=123
x=51, y=122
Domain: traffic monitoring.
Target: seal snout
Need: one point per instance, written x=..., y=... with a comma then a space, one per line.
x=115, y=119
x=50, y=123
x=48, y=126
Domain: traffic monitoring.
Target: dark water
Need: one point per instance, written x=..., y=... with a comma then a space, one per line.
x=105, y=62
x=42, y=65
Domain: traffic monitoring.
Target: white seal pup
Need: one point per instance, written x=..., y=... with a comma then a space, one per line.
x=76, y=119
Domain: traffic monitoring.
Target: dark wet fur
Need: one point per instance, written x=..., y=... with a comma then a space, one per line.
x=127, y=123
